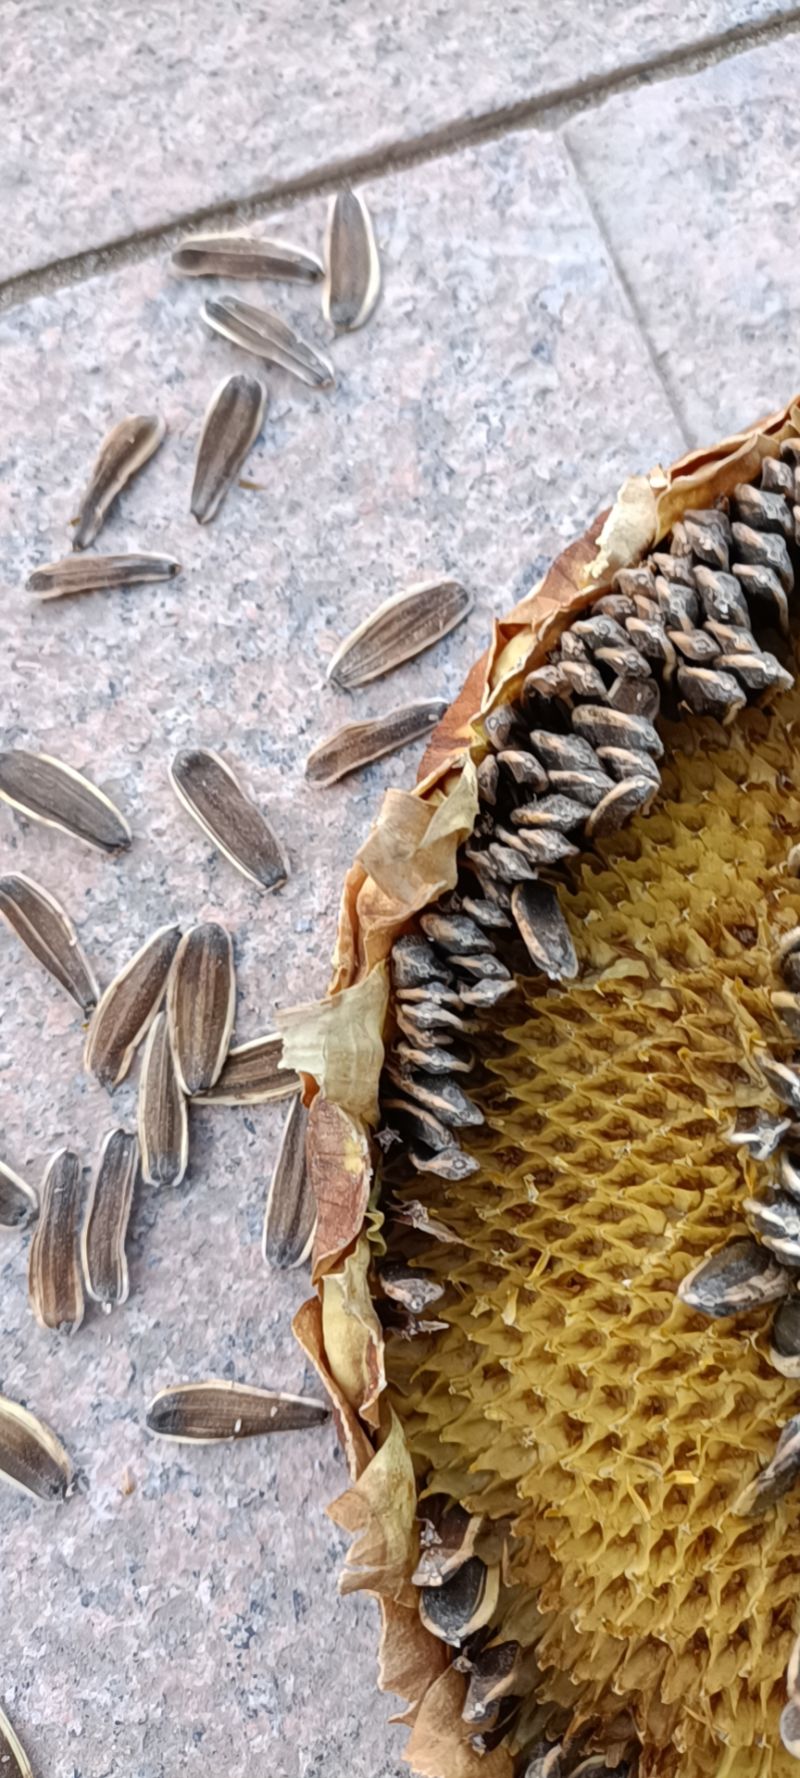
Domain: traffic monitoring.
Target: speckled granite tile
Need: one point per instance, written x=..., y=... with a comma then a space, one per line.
x=117, y=119
x=496, y=399
x=697, y=182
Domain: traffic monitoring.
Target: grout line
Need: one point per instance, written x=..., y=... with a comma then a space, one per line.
x=549, y=110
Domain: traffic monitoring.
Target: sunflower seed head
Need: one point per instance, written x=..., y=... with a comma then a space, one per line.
x=244, y=256
x=741, y=1276
x=46, y=790
x=267, y=335
x=105, y=1223
x=55, y=1286
x=124, y=451
x=352, y=267
x=251, y=1075
x=215, y=1411
x=47, y=932
x=19, y=1203
x=161, y=1112
x=213, y=796
x=290, y=1215
x=398, y=631
x=33, y=1460
x=357, y=744
x=125, y=1011
x=98, y=574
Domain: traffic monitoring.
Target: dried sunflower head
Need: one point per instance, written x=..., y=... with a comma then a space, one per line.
x=554, y=1135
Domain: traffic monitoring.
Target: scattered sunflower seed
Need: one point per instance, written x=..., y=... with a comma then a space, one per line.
x=779, y=1475
x=124, y=450
x=290, y=1213
x=266, y=335
x=162, y=1120
x=214, y=1411
x=46, y=790
x=50, y=936
x=33, y=1460
x=352, y=268
x=55, y=1285
x=14, y=1762
x=739, y=1277
x=99, y=574
x=215, y=799
x=128, y=1006
x=201, y=1002
x=251, y=1075
x=19, y=1203
x=461, y=1604
x=244, y=256
x=106, y=1218
x=357, y=744
x=232, y=422
x=398, y=631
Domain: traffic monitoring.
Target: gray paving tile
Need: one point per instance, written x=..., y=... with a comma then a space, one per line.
x=118, y=118
x=697, y=182
x=495, y=400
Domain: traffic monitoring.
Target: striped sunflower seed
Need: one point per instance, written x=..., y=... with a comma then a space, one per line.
x=201, y=1002
x=33, y=1460
x=216, y=801
x=741, y=1276
x=290, y=1214
x=232, y=423
x=778, y=1476
x=19, y=1203
x=398, y=631
x=55, y=1286
x=46, y=790
x=784, y=1343
x=461, y=1604
x=545, y=932
x=244, y=256
x=264, y=333
x=44, y=928
x=128, y=1006
x=252, y=1075
x=105, y=1222
x=99, y=574
x=124, y=451
x=353, y=274
x=14, y=1762
x=212, y=1412
x=161, y=1113
x=357, y=744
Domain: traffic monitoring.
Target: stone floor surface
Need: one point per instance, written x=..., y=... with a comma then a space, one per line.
x=563, y=302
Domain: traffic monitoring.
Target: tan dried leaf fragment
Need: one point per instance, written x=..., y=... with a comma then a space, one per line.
x=201, y=1002
x=244, y=256
x=400, y=629
x=19, y=1203
x=55, y=1285
x=31, y=1459
x=162, y=1117
x=128, y=1006
x=357, y=744
x=105, y=1222
x=290, y=1215
x=14, y=1762
x=264, y=333
x=231, y=425
x=124, y=451
x=251, y=1075
x=352, y=267
x=99, y=574
x=48, y=933
x=216, y=801
x=215, y=1411
x=47, y=790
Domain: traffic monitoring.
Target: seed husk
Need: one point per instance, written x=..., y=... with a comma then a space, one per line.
x=47, y=932
x=216, y=1411
x=450, y=1163
x=784, y=1342
x=14, y=1762
x=47, y=790
x=399, y=630
x=741, y=1276
x=232, y=422
x=494, y=1675
x=415, y=1215
x=251, y=1075
x=124, y=450
x=161, y=1113
x=544, y=930
x=19, y=1203
x=461, y=1604
x=290, y=1214
x=412, y=1289
x=215, y=799
x=357, y=744
x=33, y=1460
x=128, y=1006
x=106, y=1218
x=264, y=333
x=244, y=256
x=55, y=1286
x=201, y=1003
x=99, y=574
x=447, y=1537
x=779, y=1475
x=352, y=267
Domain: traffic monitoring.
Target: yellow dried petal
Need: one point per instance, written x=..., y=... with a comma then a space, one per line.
x=352, y=1333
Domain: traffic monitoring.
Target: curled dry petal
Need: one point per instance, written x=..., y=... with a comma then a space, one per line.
x=381, y=1507
x=352, y=1333
x=337, y=1151
x=339, y=1042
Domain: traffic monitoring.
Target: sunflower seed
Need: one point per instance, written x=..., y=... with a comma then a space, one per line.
x=436, y=1060
x=161, y=1112
x=352, y=268
x=454, y=933
x=33, y=1460
x=266, y=335
x=761, y=1136
x=544, y=1761
x=46, y=790
x=398, y=631
x=495, y=1674
x=555, y=811
x=435, y=991
x=709, y=534
x=215, y=799
x=485, y=913
x=587, y=788
x=511, y=864
x=14, y=1762
x=762, y=549
x=427, y=1016
x=582, y=679
x=483, y=966
x=759, y=671
x=563, y=753
x=739, y=1277
x=544, y=930
x=44, y=928
x=232, y=422
x=784, y=1081
x=789, y=1170
x=461, y=1604
x=636, y=697
x=414, y=962
x=653, y=642
x=106, y=1218
x=707, y=692
x=201, y=1002
x=613, y=728
x=357, y=744
x=790, y=1727
x=291, y=1213
x=244, y=256
x=447, y=1537
x=776, y=476
x=211, y=1412
x=445, y=1098
x=251, y=1075
x=777, y=1224
x=521, y=768
x=787, y=1007
x=415, y=1124
x=543, y=845
x=128, y=1006
x=413, y=1289
x=777, y=1477
x=761, y=582
x=784, y=1342
x=487, y=993
x=502, y=728
x=617, y=807
x=413, y=1214
x=721, y=597
x=98, y=574
x=55, y=1286
x=765, y=510
x=19, y=1203
x=450, y=1163
x=124, y=450
x=622, y=762
x=488, y=776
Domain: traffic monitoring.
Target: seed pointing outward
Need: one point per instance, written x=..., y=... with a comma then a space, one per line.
x=32, y=1459
x=251, y=1075
x=97, y=574
x=55, y=1286
x=128, y=1006
x=266, y=335
x=214, y=797
x=50, y=936
x=740, y=1277
x=291, y=1213
x=201, y=1001
x=13, y=1758
x=46, y=790
x=358, y=743
x=244, y=256
x=105, y=1223
x=400, y=629
x=232, y=423
x=162, y=1120
x=18, y=1201
x=353, y=275
x=124, y=450
x=208, y=1413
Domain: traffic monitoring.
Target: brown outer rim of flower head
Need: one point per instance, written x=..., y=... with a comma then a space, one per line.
x=645, y=510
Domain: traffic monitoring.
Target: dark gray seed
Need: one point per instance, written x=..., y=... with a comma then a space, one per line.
x=495, y=1674
x=213, y=796
x=162, y=1120
x=436, y=1060
x=790, y=1727
x=413, y=1289
x=447, y=1538
x=764, y=510
x=33, y=1460
x=501, y=727
x=721, y=597
x=462, y=1603
x=542, y=846
x=733, y=638
x=551, y=681
x=617, y=605
x=625, y=800
x=678, y=570
x=485, y=913
x=776, y=1222
x=201, y=1002
x=636, y=697
x=413, y=1214
x=763, y=549
x=47, y=932
x=435, y=991
x=124, y=450
x=741, y=1276
x=125, y=1011
x=678, y=606
x=105, y=1222
x=776, y=477
x=357, y=744
x=757, y=672
x=511, y=866
x=427, y=1016
x=583, y=680
x=450, y=1163
x=46, y=790
x=709, y=693
x=612, y=728
x=600, y=632
x=695, y=646
x=760, y=582
x=231, y=425
x=622, y=762
x=787, y=1006
x=709, y=534
x=454, y=933
x=210, y=1412
x=762, y=1136
x=399, y=630
x=353, y=277
x=55, y=1286
x=625, y=660
x=19, y=1202
x=630, y=581
x=563, y=753
x=98, y=574
x=414, y=1123
x=789, y=1168
x=784, y=1081
x=563, y=813
x=777, y=1478
x=414, y=961
x=784, y=1339
x=652, y=640
x=482, y=966
x=522, y=768
x=252, y=1075
x=544, y=930
x=445, y=1098
x=487, y=993
x=488, y=775
x=290, y=1213
x=264, y=333
x=586, y=788
x=572, y=647
x=488, y=880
